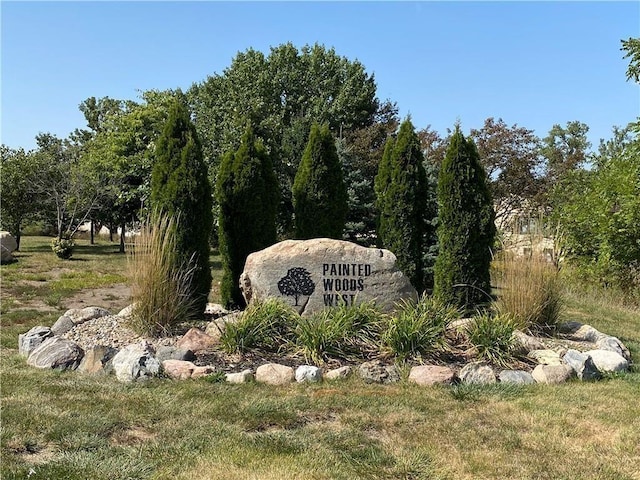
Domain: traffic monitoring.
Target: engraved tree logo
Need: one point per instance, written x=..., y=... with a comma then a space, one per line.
x=296, y=282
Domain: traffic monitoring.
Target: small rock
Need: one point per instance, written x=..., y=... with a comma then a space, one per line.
x=545, y=357
x=477, y=373
x=275, y=374
x=377, y=372
x=82, y=315
x=552, y=374
x=215, y=328
x=215, y=310
x=431, y=374
x=136, y=362
x=308, y=373
x=56, y=353
x=181, y=369
x=607, y=362
x=460, y=325
x=582, y=364
x=240, y=377
x=584, y=333
x=168, y=352
x=62, y=325
x=524, y=343
x=338, y=373
x=28, y=342
x=126, y=312
x=196, y=340
x=613, y=344
x=516, y=377
x=97, y=360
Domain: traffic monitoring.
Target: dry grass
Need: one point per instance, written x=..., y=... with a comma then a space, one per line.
x=160, y=285
x=528, y=291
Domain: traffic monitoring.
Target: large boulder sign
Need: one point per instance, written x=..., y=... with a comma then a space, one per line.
x=315, y=274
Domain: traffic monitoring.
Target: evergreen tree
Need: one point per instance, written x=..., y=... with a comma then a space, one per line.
x=319, y=192
x=248, y=194
x=405, y=210
x=466, y=227
x=180, y=187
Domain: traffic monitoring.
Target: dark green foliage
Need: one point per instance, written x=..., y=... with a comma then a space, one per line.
x=319, y=192
x=466, y=228
x=406, y=211
x=248, y=194
x=180, y=186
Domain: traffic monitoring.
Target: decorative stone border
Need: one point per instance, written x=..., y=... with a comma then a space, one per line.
x=47, y=348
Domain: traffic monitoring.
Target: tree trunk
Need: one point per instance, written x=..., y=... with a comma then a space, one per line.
x=91, y=229
x=122, y=227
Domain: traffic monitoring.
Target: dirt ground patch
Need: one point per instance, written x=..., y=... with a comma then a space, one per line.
x=114, y=298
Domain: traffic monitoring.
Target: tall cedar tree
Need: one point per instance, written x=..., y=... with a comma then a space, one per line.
x=248, y=193
x=466, y=228
x=180, y=186
x=319, y=192
x=405, y=211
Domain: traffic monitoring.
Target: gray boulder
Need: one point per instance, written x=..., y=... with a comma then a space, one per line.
x=308, y=373
x=313, y=274
x=28, y=342
x=612, y=344
x=608, y=362
x=338, y=373
x=516, y=377
x=477, y=373
x=431, y=375
x=8, y=245
x=275, y=374
x=174, y=353
x=136, y=362
x=552, y=374
x=62, y=325
x=377, y=372
x=56, y=353
x=582, y=364
x=545, y=357
x=81, y=315
x=524, y=343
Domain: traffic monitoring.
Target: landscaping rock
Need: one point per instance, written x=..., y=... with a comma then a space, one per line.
x=196, y=340
x=275, y=374
x=308, y=373
x=56, y=353
x=181, y=369
x=8, y=245
x=81, y=315
x=28, y=342
x=477, y=373
x=377, y=372
x=240, y=377
x=612, y=344
x=516, y=377
x=552, y=374
x=136, y=362
x=97, y=360
x=608, y=362
x=126, y=311
x=579, y=332
x=524, y=343
x=431, y=375
x=62, y=325
x=313, y=274
x=174, y=353
x=215, y=310
x=582, y=364
x=338, y=373
x=545, y=357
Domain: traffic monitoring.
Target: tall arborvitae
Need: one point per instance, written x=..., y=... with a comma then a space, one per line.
x=180, y=186
x=466, y=228
x=319, y=192
x=404, y=207
x=248, y=195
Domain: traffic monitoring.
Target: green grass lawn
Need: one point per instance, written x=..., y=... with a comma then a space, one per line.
x=73, y=426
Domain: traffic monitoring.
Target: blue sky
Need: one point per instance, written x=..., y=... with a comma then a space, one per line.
x=531, y=63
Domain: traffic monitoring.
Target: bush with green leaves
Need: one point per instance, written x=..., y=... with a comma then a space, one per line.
x=180, y=187
x=466, y=228
x=264, y=325
x=63, y=247
x=418, y=329
x=492, y=337
x=248, y=196
x=348, y=331
x=406, y=209
x=160, y=279
x=319, y=192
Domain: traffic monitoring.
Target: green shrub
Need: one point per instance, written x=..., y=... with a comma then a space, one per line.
x=264, y=325
x=63, y=247
x=418, y=329
x=180, y=186
x=466, y=228
x=345, y=332
x=492, y=337
x=529, y=292
x=160, y=280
